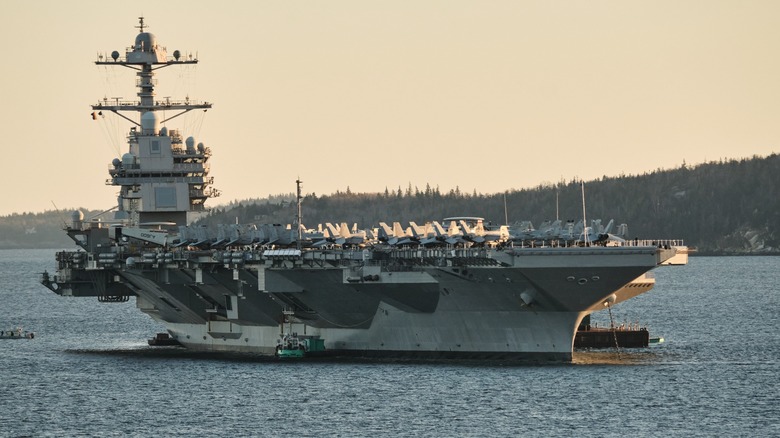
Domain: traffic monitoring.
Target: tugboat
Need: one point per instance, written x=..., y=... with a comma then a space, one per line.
x=290, y=345
x=16, y=334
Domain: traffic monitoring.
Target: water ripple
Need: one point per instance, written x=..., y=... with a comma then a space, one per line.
x=90, y=373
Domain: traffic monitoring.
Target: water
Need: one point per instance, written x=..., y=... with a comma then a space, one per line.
x=90, y=372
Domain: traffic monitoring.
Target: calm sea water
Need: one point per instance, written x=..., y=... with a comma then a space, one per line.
x=89, y=372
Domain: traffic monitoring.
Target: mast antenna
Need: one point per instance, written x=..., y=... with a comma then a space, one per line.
x=584, y=221
x=299, y=216
x=59, y=212
x=506, y=214
x=141, y=24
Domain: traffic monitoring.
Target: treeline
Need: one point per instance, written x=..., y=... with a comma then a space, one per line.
x=719, y=207
x=37, y=230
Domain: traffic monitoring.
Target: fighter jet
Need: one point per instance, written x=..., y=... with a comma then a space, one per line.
x=343, y=236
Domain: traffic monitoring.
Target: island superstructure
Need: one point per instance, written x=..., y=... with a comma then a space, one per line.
x=454, y=289
x=161, y=178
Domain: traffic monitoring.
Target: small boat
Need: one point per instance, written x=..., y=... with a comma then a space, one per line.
x=163, y=340
x=16, y=334
x=656, y=341
x=294, y=346
x=290, y=346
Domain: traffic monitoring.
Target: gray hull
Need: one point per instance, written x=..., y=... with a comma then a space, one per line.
x=511, y=303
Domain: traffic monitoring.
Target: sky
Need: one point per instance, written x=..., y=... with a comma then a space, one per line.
x=482, y=96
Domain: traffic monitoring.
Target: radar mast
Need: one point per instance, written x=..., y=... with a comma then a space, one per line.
x=161, y=177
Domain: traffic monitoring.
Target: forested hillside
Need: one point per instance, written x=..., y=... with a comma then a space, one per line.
x=719, y=207
x=37, y=230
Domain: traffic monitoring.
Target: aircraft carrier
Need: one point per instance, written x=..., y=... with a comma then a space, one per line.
x=454, y=289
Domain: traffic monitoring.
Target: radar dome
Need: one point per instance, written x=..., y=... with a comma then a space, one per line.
x=115, y=55
x=176, y=54
x=76, y=219
x=201, y=148
x=128, y=159
x=190, y=142
x=164, y=131
x=116, y=162
x=149, y=123
x=145, y=42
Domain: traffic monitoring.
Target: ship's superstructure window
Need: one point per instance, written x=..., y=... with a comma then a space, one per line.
x=155, y=149
x=165, y=197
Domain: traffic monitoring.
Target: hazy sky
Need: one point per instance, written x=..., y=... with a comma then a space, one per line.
x=482, y=95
